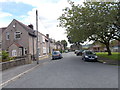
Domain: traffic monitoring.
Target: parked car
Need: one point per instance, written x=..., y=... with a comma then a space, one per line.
x=89, y=56
x=56, y=55
x=76, y=51
x=79, y=52
x=66, y=51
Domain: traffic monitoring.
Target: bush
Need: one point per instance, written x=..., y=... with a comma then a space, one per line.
x=5, y=57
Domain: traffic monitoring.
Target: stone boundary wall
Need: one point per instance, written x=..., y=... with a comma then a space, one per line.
x=16, y=62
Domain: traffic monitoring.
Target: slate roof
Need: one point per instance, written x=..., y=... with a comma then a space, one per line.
x=3, y=28
x=28, y=29
x=17, y=44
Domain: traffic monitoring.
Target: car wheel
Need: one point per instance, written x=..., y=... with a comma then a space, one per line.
x=52, y=58
x=84, y=59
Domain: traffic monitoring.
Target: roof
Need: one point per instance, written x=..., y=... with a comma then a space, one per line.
x=28, y=29
x=17, y=44
x=3, y=28
x=42, y=35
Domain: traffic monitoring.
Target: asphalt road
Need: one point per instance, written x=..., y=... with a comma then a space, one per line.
x=69, y=72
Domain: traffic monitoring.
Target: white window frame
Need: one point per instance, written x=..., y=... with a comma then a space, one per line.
x=7, y=36
x=17, y=32
x=43, y=39
x=44, y=50
x=14, y=53
x=25, y=51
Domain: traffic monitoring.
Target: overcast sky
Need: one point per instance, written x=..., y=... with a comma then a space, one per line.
x=25, y=10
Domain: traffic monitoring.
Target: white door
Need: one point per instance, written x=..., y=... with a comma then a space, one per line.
x=20, y=51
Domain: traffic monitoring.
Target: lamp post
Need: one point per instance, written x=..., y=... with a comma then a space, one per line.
x=37, y=55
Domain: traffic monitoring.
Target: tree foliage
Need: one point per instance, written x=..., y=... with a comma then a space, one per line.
x=64, y=43
x=97, y=21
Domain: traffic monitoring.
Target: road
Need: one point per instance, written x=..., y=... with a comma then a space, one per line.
x=69, y=72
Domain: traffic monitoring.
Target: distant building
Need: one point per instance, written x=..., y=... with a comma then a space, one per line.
x=97, y=48
x=76, y=47
x=101, y=48
x=116, y=46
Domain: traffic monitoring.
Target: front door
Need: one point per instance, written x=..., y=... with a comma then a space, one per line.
x=21, y=51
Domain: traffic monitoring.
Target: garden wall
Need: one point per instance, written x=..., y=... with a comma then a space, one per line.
x=16, y=62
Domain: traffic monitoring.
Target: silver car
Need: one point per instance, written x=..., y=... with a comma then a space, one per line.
x=56, y=55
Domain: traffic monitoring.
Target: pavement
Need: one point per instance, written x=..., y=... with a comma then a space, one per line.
x=108, y=61
x=15, y=72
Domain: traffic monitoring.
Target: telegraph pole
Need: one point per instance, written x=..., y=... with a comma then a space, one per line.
x=37, y=55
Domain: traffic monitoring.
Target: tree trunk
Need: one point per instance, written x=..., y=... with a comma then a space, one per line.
x=108, y=49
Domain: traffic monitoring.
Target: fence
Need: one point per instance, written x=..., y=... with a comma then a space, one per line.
x=17, y=62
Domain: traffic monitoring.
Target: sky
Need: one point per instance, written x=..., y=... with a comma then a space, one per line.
x=24, y=11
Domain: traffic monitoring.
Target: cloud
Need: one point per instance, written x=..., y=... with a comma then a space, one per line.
x=48, y=13
x=4, y=14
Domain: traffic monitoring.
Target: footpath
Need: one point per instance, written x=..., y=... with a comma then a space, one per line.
x=108, y=61
x=15, y=72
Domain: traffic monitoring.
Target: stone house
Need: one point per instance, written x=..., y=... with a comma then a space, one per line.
x=19, y=39
x=1, y=35
x=52, y=45
x=43, y=44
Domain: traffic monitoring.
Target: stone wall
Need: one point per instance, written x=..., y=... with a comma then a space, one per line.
x=16, y=62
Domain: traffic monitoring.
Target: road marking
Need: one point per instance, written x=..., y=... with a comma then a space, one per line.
x=19, y=75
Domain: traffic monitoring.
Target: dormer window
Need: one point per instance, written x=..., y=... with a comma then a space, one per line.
x=7, y=36
x=17, y=35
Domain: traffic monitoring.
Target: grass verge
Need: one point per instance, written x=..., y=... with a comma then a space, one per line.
x=114, y=56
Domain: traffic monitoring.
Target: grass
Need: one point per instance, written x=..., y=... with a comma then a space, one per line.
x=114, y=56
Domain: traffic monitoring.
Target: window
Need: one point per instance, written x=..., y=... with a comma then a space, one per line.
x=7, y=36
x=39, y=51
x=38, y=38
x=44, y=50
x=17, y=35
x=14, y=53
x=43, y=39
x=25, y=51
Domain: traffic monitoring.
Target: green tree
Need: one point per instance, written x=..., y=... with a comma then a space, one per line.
x=64, y=43
x=94, y=21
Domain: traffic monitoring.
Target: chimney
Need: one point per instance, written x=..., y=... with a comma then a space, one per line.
x=47, y=35
x=31, y=26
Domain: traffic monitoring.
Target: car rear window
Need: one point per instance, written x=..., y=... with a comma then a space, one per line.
x=55, y=52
